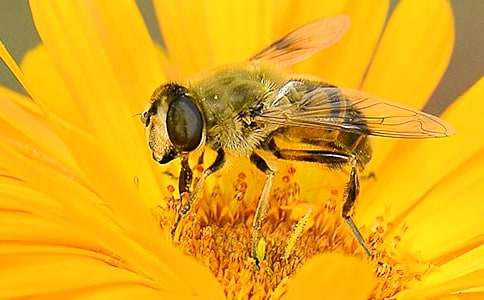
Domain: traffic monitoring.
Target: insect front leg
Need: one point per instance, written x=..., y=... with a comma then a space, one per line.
x=194, y=196
x=351, y=193
x=186, y=175
x=262, y=205
x=184, y=182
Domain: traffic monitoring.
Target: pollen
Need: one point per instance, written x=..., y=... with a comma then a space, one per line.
x=219, y=235
x=299, y=229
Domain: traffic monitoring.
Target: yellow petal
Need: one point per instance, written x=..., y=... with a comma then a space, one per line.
x=200, y=35
x=332, y=276
x=37, y=274
x=465, y=274
x=48, y=84
x=80, y=205
x=115, y=38
x=124, y=291
x=184, y=31
x=447, y=220
x=40, y=145
x=345, y=63
x=129, y=48
x=463, y=296
x=79, y=35
x=411, y=57
x=20, y=121
x=293, y=14
x=62, y=218
x=415, y=167
x=12, y=65
x=413, y=53
x=245, y=34
x=44, y=174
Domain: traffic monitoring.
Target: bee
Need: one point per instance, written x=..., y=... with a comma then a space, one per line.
x=252, y=107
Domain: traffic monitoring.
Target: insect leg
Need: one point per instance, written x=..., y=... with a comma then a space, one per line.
x=329, y=158
x=184, y=182
x=215, y=166
x=332, y=159
x=261, y=210
x=186, y=175
x=193, y=198
x=351, y=193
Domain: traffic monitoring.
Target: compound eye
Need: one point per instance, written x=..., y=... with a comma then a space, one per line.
x=184, y=123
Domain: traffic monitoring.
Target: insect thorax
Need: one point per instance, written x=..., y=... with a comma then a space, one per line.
x=227, y=98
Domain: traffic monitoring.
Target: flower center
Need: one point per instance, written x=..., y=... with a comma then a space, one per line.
x=219, y=234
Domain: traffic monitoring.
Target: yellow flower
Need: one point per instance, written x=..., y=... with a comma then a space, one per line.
x=84, y=211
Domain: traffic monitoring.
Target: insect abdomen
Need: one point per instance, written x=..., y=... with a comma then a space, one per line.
x=324, y=104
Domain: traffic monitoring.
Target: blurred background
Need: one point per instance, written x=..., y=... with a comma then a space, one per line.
x=467, y=64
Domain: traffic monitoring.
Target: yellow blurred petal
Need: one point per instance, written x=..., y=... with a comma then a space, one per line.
x=332, y=276
x=293, y=14
x=413, y=53
x=169, y=69
x=23, y=123
x=109, y=291
x=467, y=263
x=463, y=296
x=36, y=274
x=12, y=65
x=463, y=274
x=48, y=84
x=80, y=207
x=122, y=292
x=411, y=57
x=131, y=52
x=345, y=63
x=39, y=241
x=113, y=37
x=184, y=31
x=201, y=34
x=42, y=173
x=448, y=220
x=62, y=217
x=415, y=167
x=80, y=31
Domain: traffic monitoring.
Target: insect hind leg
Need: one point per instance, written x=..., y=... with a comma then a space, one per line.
x=352, y=190
x=331, y=159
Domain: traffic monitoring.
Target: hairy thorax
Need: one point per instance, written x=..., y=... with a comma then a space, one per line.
x=228, y=97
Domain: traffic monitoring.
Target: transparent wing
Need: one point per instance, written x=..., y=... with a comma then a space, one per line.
x=352, y=111
x=304, y=41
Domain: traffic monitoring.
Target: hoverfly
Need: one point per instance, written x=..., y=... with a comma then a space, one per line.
x=245, y=108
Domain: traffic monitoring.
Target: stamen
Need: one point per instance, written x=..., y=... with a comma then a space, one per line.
x=219, y=234
x=296, y=233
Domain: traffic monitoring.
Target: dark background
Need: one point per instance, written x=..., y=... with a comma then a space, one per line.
x=466, y=66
